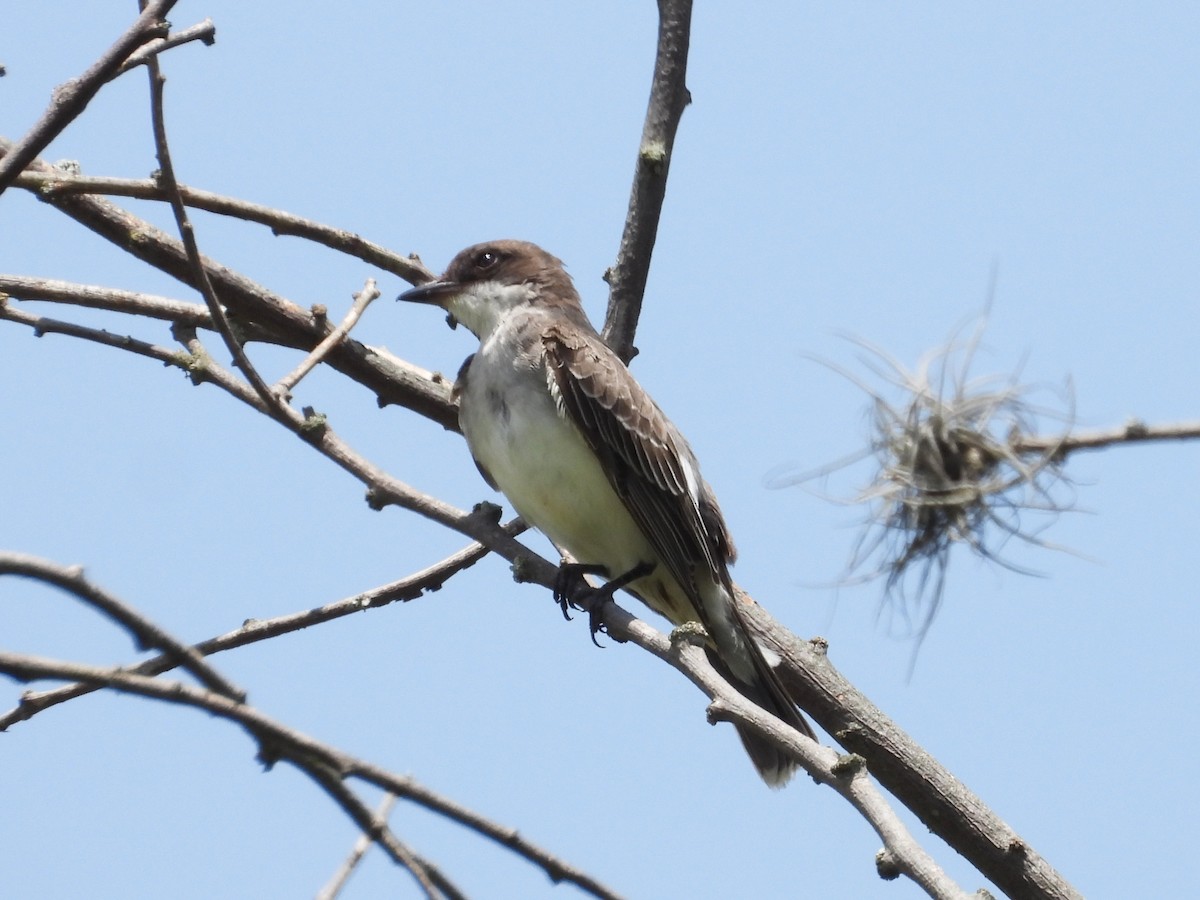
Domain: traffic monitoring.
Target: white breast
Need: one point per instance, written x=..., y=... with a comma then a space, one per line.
x=543, y=464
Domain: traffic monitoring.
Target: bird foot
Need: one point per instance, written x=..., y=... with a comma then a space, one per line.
x=572, y=590
x=569, y=583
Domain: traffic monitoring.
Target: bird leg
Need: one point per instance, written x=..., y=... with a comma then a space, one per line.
x=572, y=590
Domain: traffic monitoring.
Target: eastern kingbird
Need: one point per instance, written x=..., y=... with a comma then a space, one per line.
x=557, y=423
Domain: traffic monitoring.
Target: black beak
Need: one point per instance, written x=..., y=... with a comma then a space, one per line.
x=435, y=292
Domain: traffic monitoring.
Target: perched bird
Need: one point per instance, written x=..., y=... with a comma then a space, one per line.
x=556, y=422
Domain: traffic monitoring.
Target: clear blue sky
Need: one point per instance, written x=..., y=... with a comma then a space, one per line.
x=857, y=169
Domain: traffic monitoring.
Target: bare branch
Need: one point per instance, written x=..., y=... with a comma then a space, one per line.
x=146, y=635
x=392, y=380
x=43, y=325
x=480, y=524
x=847, y=775
x=556, y=869
x=205, y=32
x=255, y=630
x=277, y=742
x=668, y=98
x=383, y=489
x=71, y=98
x=28, y=288
x=274, y=406
x=357, y=852
x=22, y=287
x=377, y=831
x=901, y=766
x=1133, y=432
x=53, y=183
x=909, y=773
x=361, y=301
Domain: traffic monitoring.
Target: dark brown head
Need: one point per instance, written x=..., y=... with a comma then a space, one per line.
x=485, y=282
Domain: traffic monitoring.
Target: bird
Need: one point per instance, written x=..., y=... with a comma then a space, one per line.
x=557, y=423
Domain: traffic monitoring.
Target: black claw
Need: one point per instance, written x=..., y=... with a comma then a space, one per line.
x=570, y=584
x=570, y=581
x=596, y=622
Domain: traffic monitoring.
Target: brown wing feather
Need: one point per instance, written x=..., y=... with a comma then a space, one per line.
x=645, y=462
x=647, y=456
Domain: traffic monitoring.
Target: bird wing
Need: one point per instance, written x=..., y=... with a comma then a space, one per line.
x=653, y=471
x=647, y=460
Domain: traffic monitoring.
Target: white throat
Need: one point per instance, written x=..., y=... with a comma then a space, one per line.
x=480, y=306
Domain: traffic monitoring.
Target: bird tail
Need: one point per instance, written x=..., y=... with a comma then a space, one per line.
x=740, y=660
x=775, y=766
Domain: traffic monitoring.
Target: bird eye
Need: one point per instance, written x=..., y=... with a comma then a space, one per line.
x=485, y=259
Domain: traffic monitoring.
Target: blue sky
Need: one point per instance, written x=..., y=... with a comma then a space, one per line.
x=859, y=169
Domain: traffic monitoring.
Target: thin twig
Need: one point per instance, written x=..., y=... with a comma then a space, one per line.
x=30, y=288
x=205, y=32
x=274, y=406
x=146, y=634
x=668, y=98
x=383, y=489
x=43, y=325
x=375, y=829
x=557, y=870
x=1133, y=432
x=71, y=98
x=361, y=845
x=254, y=630
x=361, y=301
x=26, y=287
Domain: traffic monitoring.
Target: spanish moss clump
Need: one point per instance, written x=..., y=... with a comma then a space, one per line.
x=952, y=467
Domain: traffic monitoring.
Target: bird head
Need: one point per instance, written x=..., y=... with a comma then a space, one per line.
x=486, y=282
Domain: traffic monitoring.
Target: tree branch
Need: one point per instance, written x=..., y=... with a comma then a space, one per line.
x=43, y=325
x=56, y=183
x=392, y=380
x=277, y=742
x=205, y=32
x=847, y=775
x=1135, y=431
x=905, y=769
x=146, y=635
x=273, y=404
x=22, y=287
x=481, y=524
x=362, y=300
x=254, y=630
x=668, y=98
x=377, y=830
x=901, y=766
x=71, y=98
x=357, y=852
x=383, y=489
